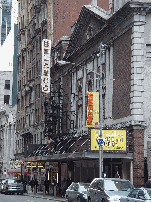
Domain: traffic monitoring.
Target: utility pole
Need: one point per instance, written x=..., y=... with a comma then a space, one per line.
x=102, y=53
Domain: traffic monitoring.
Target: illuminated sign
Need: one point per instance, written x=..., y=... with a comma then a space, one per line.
x=45, y=78
x=41, y=164
x=34, y=164
x=93, y=110
x=113, y=139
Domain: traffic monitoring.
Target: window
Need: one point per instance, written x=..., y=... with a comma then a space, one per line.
x=7, y=84
x=100, y=184
x=29, y=120
x=93, y=184
x=6, y=99
x=141, y=195
x=133, y=194
x=89, y=31
x=38, y=90
x=90, y=86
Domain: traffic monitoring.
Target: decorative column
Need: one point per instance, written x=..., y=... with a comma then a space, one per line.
x=131, y=172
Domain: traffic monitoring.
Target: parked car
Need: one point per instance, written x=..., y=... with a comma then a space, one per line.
x=13, y=186
x=1, y=179
x=108, y=189
x=77, y=192
x=138, y=195
x=2, y=186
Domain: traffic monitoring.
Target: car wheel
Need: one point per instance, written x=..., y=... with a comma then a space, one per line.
x=78, y=199
x=6, y=193
x=21, y=193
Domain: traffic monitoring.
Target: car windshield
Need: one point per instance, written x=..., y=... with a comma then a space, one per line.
x=83, y=187
x=13, y=181
x=117, y=185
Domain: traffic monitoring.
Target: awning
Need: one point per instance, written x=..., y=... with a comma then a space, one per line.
x=16, y=171
x=80, y=155
x=40, y=151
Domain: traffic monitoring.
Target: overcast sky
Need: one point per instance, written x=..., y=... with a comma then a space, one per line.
x=6, y=51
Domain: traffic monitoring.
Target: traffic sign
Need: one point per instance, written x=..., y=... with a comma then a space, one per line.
x=100, y=141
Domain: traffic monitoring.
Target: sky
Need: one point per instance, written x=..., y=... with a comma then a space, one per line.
x=7, y=50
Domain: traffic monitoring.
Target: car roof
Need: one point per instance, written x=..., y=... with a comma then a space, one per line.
x=110, y=179
x=141, y=188
x=80, y=183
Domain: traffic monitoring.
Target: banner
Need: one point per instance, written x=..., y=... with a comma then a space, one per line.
x=113, y=139
x=93, y=110
x=45, y=77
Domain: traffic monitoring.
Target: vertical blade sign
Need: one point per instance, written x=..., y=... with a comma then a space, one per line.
x=45, y=78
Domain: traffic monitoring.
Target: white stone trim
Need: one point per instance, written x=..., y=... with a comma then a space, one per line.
x=137, y=66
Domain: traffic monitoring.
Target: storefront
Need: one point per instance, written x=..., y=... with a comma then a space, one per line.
x=16, y=172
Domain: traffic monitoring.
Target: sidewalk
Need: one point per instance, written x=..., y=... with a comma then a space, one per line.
x=47, y=196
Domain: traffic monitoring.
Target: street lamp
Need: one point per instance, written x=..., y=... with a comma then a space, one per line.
x=102, y=53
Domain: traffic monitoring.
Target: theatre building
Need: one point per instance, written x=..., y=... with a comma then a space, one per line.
x=72, y=119
x=125, y=35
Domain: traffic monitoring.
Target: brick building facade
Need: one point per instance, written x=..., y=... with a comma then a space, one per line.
x=37, y=20
x=125, y=91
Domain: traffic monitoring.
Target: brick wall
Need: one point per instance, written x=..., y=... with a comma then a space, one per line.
x=138, y=161
x=66, y=13
x=122, y=76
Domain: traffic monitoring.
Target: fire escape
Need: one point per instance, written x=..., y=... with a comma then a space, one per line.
x=59, y=127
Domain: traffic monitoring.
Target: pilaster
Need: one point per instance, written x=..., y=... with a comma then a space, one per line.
x=137, y=67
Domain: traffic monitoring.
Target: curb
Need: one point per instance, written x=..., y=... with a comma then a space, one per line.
x=35, y=196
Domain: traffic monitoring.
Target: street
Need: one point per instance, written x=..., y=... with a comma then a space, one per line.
x=22, y=198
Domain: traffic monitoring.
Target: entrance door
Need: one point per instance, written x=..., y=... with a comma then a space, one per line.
x=116, y=170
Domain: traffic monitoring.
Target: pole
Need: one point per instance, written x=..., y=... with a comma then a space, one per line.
x=100, y=146
x=22, y=172
x=45, y=104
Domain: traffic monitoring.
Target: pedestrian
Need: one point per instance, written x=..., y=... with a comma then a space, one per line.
x=36, y=184
x=54, y=185
x=68, y=182
x=64, y=186
x=47, y=184
x=24, y=185
x=148, y=183
x=31, y=184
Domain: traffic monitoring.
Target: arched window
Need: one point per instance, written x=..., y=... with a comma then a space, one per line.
x=90, y=89
x=89, y=31
x=80, y=108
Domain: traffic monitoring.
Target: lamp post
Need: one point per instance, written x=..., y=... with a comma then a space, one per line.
x=102, y=52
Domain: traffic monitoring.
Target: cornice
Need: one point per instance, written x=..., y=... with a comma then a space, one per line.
x=126, y=122
x=110, y=31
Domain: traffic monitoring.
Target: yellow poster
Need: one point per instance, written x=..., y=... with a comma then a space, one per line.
x=93, y=110
x=113, y=139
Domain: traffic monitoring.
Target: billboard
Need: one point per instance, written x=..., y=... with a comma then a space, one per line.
x=45, y=77
x=93, y=110
x=113, y=139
